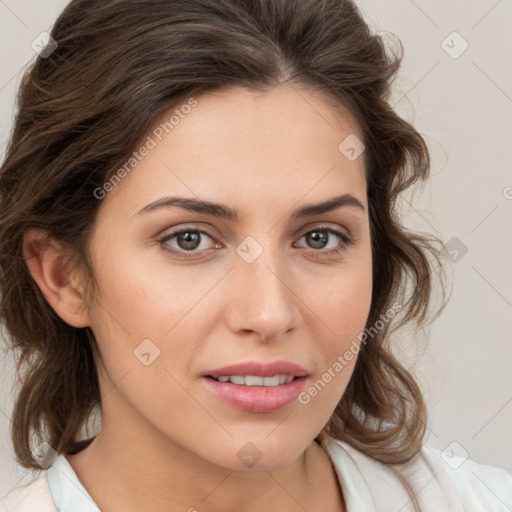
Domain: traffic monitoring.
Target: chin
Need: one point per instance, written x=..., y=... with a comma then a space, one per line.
x=259, y=453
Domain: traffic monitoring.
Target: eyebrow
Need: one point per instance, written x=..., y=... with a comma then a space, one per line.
x=223, y=211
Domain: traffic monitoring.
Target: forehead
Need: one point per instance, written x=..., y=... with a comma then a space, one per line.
x=237, y=142
x=237, y=112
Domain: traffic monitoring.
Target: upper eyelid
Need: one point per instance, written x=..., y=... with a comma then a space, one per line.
x=303, y=231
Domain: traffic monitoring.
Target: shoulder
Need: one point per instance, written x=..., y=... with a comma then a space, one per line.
x=439, y=483
x=30, y=493
x=479, y=486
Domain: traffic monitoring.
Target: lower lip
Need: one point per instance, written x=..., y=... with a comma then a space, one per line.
x=257, y=398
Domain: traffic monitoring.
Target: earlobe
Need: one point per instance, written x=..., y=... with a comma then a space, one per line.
x=45, y=259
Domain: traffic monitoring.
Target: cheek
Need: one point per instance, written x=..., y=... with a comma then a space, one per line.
x=344, y=299
x=140, y=322
x=341, y=307
x=143, y=297
x=148, y=319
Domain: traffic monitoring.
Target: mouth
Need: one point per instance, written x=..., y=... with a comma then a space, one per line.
x=257, y=387
x=255, y=380
x=256, y=394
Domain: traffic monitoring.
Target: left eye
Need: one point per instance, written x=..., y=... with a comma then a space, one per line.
x=319, y=239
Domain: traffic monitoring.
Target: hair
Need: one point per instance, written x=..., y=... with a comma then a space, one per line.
x=81, y=111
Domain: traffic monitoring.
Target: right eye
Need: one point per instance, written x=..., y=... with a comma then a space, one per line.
x=187, y=242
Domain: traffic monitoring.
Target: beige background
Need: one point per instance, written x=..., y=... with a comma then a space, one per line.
x=463, y=106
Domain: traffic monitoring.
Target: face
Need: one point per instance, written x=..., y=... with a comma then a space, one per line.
x=184, y=292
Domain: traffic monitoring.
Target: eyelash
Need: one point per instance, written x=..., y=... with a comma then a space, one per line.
x=346, y=240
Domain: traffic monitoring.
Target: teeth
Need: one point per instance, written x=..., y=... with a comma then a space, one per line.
x=250, y=380
x=253, y=380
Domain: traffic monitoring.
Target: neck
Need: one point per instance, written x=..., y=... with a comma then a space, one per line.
x=120, y=473
x=124, y=469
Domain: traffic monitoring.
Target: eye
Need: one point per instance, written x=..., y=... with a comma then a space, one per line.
x=190, y=242
x=324, y=237
x=186, y=240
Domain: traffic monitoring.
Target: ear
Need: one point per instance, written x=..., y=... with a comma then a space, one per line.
x=46, y=261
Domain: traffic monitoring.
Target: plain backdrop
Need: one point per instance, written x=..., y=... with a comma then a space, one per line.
x=455, y=85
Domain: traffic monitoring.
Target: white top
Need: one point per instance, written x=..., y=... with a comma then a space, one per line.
x=455, y=485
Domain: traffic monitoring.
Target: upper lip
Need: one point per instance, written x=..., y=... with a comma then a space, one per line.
x=259, y=369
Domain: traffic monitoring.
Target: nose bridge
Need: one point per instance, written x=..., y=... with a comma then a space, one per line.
x=263, y=301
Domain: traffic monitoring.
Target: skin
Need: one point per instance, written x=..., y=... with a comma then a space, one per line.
x=167, y=443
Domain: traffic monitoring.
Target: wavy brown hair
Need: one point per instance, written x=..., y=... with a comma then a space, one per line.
x=82, y=110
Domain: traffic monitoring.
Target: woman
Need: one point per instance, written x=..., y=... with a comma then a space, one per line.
x=199, y=243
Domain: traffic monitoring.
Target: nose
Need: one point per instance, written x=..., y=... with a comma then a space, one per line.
x=263, y=298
